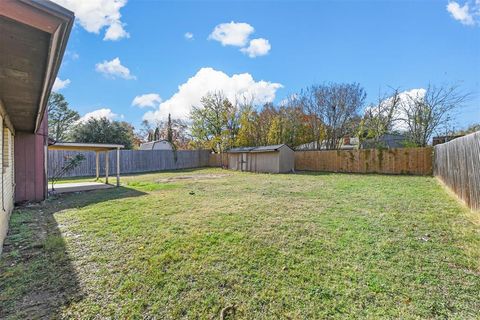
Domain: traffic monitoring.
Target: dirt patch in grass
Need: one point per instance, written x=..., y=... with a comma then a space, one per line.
x=194, y=177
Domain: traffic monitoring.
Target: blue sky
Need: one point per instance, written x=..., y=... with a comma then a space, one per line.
x=405, y=44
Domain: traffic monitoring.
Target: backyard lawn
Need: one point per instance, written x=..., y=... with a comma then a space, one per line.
x=211, y=243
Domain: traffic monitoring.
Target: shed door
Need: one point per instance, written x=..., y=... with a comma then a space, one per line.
x=244, y=161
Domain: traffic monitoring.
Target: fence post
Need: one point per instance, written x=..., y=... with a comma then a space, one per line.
x=118, y=167
x=97, y=165
x=106, y=167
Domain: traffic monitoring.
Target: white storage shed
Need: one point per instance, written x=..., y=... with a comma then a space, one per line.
x=156, y=145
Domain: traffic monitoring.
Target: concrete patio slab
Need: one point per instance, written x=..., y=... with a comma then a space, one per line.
x=79, y=186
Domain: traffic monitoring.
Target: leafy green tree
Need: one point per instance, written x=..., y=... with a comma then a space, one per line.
x=60, y=117
x=274, y=135
x=215, y=123
x=247, y=134
x=170, y=130
x=104, y=131
x=156, y=134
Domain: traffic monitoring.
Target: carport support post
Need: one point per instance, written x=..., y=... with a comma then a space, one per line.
x=118, y=167
x=97, y=165
x=106, y=167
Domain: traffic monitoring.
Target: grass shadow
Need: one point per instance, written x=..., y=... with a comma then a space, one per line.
x=37, y=276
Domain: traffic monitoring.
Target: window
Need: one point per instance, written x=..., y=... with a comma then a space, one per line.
x=6, y=149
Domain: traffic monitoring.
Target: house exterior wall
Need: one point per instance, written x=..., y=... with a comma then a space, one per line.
x=30, y=164
x=7, y=185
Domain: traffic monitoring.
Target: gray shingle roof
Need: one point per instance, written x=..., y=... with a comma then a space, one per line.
x=241, y=149
x=270, y=148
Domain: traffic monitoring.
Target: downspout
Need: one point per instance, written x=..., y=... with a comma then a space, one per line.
x=45, y=167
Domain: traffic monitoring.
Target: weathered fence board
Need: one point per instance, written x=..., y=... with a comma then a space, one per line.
x=457, y=164
x=417, y=161
x=218, y=160
x=131, y=161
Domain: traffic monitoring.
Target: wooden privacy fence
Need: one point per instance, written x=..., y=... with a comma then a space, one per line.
x=218, y=160
x=457, y=164
x=131, y=161
x=416, y=161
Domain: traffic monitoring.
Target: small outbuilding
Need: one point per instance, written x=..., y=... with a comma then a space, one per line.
x=97, y=147
x=278, y=158
x=156, y=145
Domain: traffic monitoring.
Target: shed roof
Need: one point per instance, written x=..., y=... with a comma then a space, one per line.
x=76, y=146
x=240, y=150
x=271, y=148
x=151, y=144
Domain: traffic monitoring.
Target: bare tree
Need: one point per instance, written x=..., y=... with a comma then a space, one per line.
x=68, y=165
x=313, y=108
x=428, y=112
x=332, y=109
x=380, y=118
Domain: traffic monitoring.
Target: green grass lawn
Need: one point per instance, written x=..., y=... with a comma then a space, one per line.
x=196, y=243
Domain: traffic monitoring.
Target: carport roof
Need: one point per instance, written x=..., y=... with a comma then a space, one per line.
x=76, y=146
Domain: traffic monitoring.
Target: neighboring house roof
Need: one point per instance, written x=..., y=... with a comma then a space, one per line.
x=442, y=139
x=34, y=35
x=314, y=145
x=151, y=145
x=271, y=148
x=389, y=140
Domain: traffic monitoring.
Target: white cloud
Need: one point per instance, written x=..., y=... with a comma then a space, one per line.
x=466, y=14
x=257, y=47
x=94, y=15
x=60, y=84
x=406, y=98
x=72, y=55
x=113, y=69
x=238, y=34
x=208, y=80
x=232, y=34
x=116, y=32
x=188, y=35
x=98, y=114
x=147, y=100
